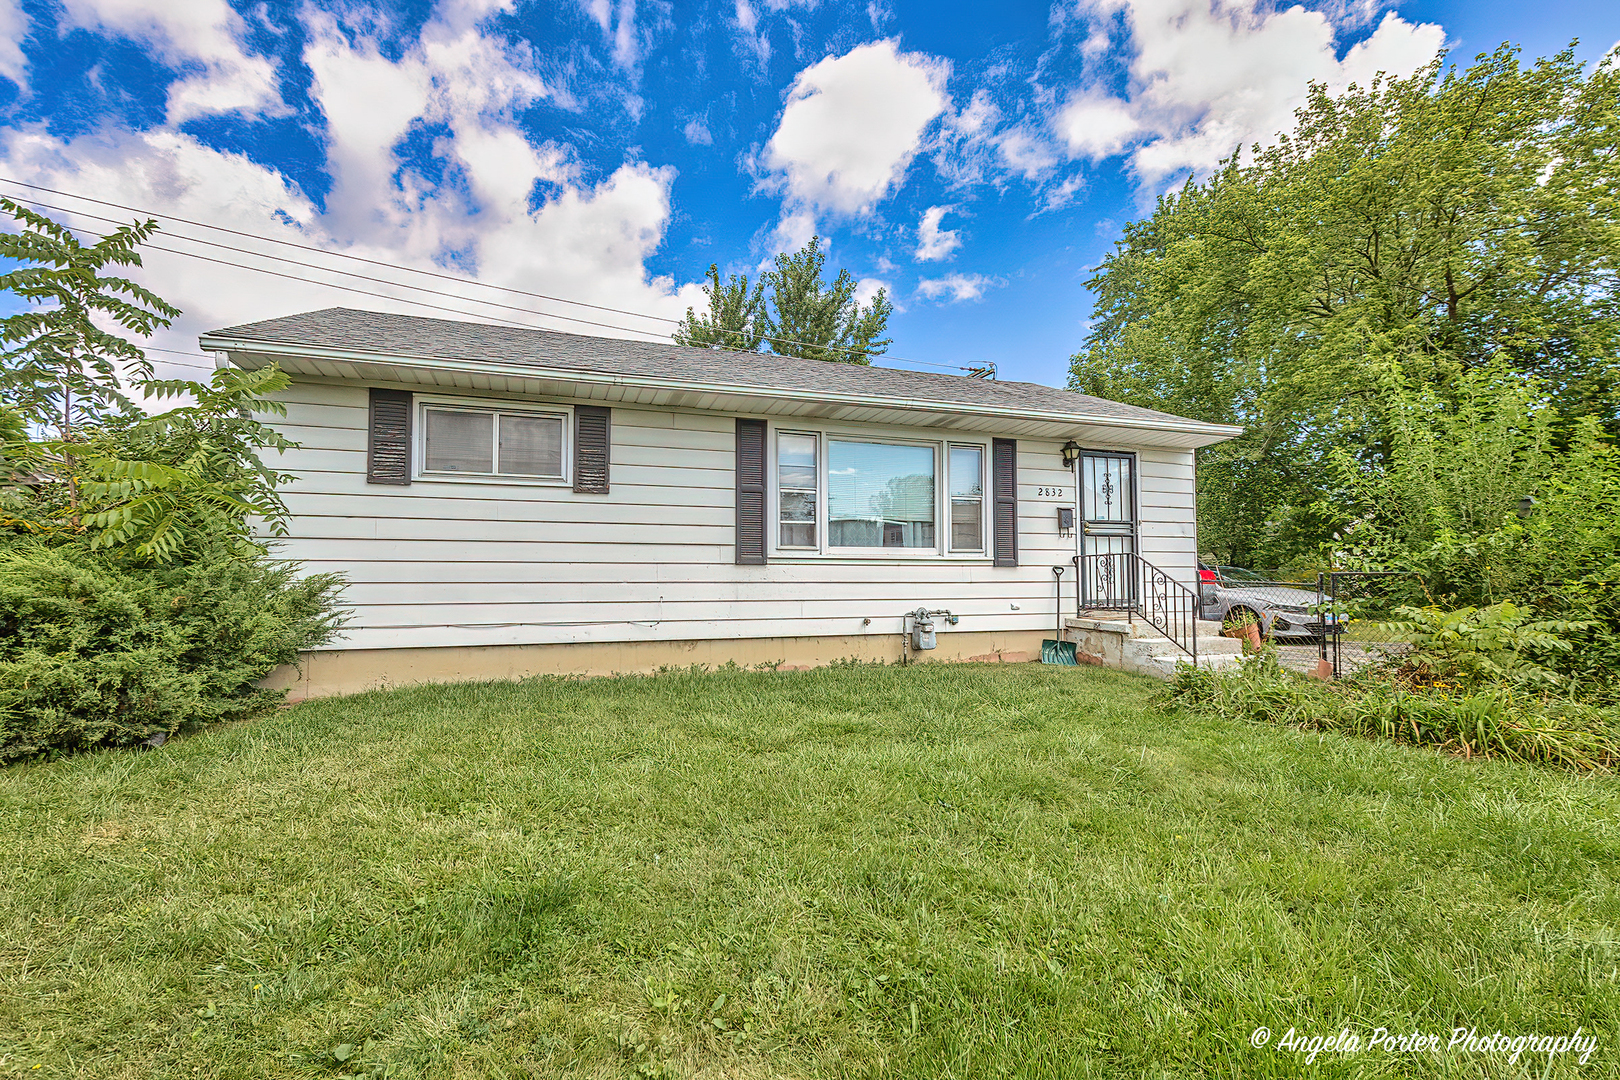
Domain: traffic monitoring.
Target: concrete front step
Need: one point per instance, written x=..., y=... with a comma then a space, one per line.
x=1210, y=640
x=1134, y=645
x=1164, y=665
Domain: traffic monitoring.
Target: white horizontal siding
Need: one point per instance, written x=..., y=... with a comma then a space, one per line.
x=474, y=563
x=1169, y=535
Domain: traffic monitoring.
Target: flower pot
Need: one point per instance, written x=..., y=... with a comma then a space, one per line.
x=1249, y=634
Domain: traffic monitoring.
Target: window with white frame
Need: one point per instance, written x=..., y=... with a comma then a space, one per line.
x=467, y=441
x=967, y=497
x=796, y=469
x=851, y=494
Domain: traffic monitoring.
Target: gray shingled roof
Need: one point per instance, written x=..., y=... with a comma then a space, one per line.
x=410, y=336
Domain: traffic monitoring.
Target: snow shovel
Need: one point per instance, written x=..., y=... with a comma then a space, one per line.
x=1058, y=651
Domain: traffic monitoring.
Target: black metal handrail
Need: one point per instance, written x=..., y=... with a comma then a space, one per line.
x=1124, y=581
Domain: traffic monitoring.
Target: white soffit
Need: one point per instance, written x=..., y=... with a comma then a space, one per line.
x=483, y=377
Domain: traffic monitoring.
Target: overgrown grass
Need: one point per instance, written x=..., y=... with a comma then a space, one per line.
x=937, y=871
x=1384, y=701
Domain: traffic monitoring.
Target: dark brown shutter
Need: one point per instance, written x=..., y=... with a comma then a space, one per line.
x=388, y=445
x=592, y=443
x=1004, y=487
x=751, y=492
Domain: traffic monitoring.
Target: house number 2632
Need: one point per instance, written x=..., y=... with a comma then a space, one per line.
x=1045, y=492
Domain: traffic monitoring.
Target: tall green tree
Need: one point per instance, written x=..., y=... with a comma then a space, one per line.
x=811, y=319
x=153, y=487
x=1402, y=235
x=793, y=310
x=58, y=368
x=735, y=319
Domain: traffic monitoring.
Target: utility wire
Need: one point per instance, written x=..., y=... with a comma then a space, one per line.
x=180, y=352
x=332, y=285
x=334, y=254
x=977, y=370
x=349, y=273
x=396, y=284
x=176, y=352
x=364, y=292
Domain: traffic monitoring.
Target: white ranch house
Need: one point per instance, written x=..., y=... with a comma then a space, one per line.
x=507, y=502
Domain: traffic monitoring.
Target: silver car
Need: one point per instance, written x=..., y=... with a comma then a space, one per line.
x=1233, y=596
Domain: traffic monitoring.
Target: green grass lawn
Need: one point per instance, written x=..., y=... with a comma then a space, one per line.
x=935, y=871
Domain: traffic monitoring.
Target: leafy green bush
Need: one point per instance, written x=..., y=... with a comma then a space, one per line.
x=1475, y=646
x=135, y=599
x=1550, y=541
x=95, y=652
x=1493, y=721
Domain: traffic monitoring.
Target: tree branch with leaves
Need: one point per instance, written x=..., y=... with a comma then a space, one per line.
x=793, y=310
x=98, y=467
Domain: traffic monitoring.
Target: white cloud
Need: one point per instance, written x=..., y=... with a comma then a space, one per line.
x=1095, y=126
x=1064, y=193
x=13, y=28
x=588, y=240
x=697, y=133
x=1396, y=48
x=978, y=115
x=957, y=287
x=1026, y=151
x=852, y=125
x=792, y=232
x=617, y=19
x=1211, y=76
x=750, y=37
x=963, y=154
x=205, y=31
x=867, y=288
x=933, y=242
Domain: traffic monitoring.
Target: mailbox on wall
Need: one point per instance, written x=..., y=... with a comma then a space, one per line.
x=1065, y=521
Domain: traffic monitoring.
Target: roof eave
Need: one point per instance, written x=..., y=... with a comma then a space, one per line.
x=1196, y=433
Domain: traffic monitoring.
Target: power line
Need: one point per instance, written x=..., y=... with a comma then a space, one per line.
x=176, y=352
x=334, y=254
x=409, y=269
x=368, y=292
x=350, y=288
x=347, y=273
x=974, y=371
x=180, y=352
x=406, y=269
x=331, y=285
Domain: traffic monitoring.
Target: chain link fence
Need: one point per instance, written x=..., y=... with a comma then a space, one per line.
x=1320, y=623
x=1361, y=603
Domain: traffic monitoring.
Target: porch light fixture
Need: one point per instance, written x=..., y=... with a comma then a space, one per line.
x=1071, y=454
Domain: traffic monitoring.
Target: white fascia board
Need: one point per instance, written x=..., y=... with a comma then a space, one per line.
x=1210, y=433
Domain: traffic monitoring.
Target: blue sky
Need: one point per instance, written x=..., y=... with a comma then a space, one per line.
x=974, y=159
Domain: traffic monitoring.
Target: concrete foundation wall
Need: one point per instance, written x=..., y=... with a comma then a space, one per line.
x=1095, y=642
x=351, y=671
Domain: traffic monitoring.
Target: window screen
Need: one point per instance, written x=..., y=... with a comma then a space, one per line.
x=796, y=490
x=967, y=498
x=489, y=443
x=879, y=495
x=531, y=445
x=459, y=442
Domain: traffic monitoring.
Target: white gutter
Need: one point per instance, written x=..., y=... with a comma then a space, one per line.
x=482, y=367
